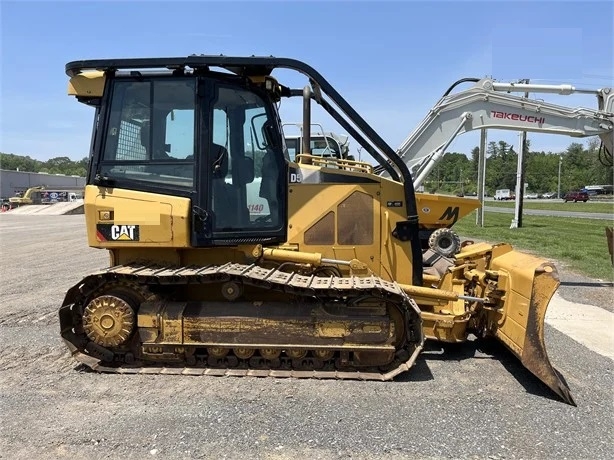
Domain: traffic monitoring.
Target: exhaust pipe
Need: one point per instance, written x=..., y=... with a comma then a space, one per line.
x=306, y=120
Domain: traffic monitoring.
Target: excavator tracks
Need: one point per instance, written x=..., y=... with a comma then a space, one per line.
x=145, y=281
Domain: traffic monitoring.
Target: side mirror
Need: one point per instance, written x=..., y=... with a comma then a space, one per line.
x=269, y=133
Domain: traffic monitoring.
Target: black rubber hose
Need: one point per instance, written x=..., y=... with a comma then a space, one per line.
x=458, y=82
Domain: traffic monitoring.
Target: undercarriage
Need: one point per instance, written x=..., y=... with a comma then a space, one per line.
x=255, y=321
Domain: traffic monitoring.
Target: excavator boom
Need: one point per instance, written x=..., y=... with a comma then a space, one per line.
x=491, y=105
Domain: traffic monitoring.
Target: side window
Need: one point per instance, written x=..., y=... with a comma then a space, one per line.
x=221, y=141
x=129, y=112
x=246, y=163
x=150, y=134
x=292, y=146
x=255, y=148
x=229, y=213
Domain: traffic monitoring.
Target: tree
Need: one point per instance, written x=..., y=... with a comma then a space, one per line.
x=500, y=166
x=601, y=170
x=452, y=174
x=18, y=163
x=57, y=165
x=542, y=172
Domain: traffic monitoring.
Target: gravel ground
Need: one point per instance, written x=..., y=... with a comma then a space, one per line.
x=462, y=403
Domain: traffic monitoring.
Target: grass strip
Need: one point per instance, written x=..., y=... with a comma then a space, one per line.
x=580, y=244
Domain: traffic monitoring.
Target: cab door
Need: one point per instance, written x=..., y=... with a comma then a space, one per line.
x=242, y=171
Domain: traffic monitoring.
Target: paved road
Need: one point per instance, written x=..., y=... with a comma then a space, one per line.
x=467, y=402
x=547, y=212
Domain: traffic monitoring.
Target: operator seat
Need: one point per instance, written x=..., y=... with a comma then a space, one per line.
x=226, y=208
x=156, y=152
x=269, y=187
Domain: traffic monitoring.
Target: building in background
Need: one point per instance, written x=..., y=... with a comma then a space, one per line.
x=13, y=182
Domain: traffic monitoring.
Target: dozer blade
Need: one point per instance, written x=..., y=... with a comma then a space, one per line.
x=528, y=283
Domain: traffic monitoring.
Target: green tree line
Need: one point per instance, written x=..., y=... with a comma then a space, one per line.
x=580, y=166
x=456, y=172
x=58, y=165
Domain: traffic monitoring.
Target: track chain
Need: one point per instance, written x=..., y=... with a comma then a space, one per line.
x=290, y=283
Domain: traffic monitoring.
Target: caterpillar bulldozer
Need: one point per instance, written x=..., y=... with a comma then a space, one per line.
x=335, y=279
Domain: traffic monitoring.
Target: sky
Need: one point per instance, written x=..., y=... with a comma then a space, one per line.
x=391, y=61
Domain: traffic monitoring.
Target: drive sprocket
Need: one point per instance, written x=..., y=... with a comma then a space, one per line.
x=109, y=320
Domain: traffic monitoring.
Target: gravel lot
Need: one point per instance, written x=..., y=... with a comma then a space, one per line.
x=465, y=403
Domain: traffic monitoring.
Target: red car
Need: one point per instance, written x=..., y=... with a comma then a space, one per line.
x=576, y=196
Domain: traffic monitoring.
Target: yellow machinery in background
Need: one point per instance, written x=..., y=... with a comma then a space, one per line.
x=41, y=194
x=330, y=275
x=27, y=197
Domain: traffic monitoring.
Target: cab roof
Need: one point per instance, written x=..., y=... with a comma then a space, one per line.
x=244, y=66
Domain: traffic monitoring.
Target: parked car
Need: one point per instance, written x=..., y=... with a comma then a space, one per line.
x=549, y=195
x=531, y=196
x=576, y=196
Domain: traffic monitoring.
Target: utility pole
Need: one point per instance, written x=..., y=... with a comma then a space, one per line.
x=517, y=221
x=479, y=218
x=558, y=191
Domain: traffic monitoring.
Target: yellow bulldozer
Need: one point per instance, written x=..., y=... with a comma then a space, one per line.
x=333, y=274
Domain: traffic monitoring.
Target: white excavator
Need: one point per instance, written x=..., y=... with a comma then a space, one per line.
x=490, y=104
x=323, y=144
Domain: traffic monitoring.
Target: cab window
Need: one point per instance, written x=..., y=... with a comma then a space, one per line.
x=246, y=163
x=150, y=134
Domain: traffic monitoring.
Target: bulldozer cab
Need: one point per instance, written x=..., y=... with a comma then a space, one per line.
x=205, y=137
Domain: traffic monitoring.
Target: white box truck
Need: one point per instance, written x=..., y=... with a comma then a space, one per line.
x=504, y=194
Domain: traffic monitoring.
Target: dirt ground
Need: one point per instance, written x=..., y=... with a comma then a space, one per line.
x=458, y=403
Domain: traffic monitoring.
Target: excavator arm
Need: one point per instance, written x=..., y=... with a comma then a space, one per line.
x=491, y=105
x=26, y=198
